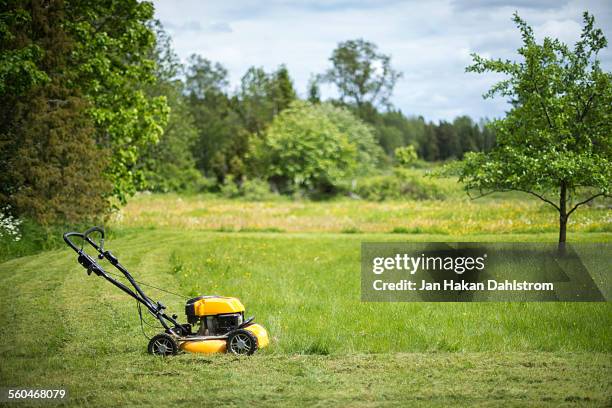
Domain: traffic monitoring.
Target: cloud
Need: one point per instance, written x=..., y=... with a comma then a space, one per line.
x=430, y=42
x=196, y=26
x=511, y=4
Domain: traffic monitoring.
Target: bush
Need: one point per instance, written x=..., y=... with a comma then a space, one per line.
x=176, y=179
x=33, y=239
x=255, y=190
x=405, y=156
x=248, y=189
x=400, y=185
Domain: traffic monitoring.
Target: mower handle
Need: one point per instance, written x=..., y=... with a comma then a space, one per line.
x=85, y=236
x=89, y=263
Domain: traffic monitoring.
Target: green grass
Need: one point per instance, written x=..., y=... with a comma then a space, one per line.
x=61, y=327
x=498, y=214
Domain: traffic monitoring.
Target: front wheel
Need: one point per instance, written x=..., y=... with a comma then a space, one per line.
x=162, y=345
x=241, y=342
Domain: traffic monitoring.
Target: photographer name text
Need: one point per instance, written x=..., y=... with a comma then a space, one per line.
x=423, y=285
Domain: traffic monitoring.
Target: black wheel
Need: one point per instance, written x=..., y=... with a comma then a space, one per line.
x=241, y=342
x=162, y=345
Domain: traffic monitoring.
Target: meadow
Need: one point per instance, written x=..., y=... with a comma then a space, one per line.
x=296, y=267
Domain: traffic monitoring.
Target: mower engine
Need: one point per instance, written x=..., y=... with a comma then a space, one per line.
x=221, y=327
x=215, y=315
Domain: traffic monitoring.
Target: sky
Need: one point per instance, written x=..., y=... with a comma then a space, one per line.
x=430, y=42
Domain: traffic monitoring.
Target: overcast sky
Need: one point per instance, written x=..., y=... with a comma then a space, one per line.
x=430, y=41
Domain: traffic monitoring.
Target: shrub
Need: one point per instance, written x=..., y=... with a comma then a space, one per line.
x=400, y=185
x=405, y=156
x=255, y=190
x=247, y=189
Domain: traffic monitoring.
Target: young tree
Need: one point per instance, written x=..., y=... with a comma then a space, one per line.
x=361, y=73
x=557, y=137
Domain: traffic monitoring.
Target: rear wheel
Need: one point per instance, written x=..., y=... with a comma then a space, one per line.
x=241, y=342
x=162, y=345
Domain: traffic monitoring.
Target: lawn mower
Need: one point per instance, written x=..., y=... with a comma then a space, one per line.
x=215, y=324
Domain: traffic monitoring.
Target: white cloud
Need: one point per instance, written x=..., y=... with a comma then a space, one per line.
x=430, y=42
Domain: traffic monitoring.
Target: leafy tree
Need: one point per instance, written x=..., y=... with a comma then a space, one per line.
x=361, y=135
x=361, y=73
x=309, y=147
x=557, y=137
x=227, y=125
x=20, y=57
x=112, y=67
x=255, y=106
x=396, y=130
x=204, y=78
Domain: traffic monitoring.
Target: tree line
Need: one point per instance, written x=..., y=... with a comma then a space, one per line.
x=226, y=123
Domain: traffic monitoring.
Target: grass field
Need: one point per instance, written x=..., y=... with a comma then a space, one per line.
x=61, y=327
x=456, y=216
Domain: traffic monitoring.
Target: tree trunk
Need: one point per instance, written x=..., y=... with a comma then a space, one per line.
x=562, y=217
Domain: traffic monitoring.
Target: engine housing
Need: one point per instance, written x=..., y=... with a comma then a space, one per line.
x=216, y=315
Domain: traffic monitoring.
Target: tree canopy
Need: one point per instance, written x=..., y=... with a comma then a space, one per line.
x=362, y=74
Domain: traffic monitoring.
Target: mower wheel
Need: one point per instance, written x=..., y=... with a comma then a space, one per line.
x=241, y=342
x=162, y=345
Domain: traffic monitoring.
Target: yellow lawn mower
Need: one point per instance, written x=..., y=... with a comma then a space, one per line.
x=215, y=324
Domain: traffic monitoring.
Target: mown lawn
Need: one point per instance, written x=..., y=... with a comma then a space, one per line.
x=61, y=327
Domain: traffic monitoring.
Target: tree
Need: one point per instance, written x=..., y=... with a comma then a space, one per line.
x=255, y=106
x=169, y=165
x=310, y=147
x=204, y=78
x=282, y=91
x=361, y=73
x=111, y=65
x=447, y=140
x=214, y=112
x=557, y=137
x=51, y=167
x=263, y=96
x=360, y=134
x=314, y=93
x=468, y=135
